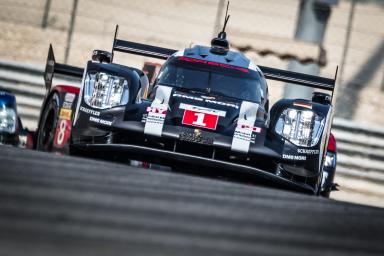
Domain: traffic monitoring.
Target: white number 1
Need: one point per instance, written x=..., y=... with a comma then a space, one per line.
x=200, y=119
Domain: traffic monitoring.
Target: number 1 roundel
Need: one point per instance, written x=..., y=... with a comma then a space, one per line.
x=200, y=119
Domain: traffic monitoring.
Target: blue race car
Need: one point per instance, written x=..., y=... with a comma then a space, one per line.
x=9, y=124
x=11, y=128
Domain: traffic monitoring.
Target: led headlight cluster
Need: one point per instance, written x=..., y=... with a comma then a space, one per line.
x=102, y=90
x=301, y=127
x=7, y=120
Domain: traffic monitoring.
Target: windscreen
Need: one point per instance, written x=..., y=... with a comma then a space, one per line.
x=212, y=78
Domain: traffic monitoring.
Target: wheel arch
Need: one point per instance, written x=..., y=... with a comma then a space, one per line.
x=61, y=91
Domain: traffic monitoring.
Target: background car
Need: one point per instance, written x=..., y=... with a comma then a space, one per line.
x=11, y=128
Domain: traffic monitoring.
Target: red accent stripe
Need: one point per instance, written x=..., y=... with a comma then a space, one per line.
x=212, y=63
x=67, y=88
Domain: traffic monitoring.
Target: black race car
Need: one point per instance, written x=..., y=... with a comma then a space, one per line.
x=208, y=107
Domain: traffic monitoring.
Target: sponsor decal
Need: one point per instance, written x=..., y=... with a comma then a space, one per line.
x=90, y=111
x=223, y=103
x=248, y=127
x=155, y=120
x=178, y=95
x=67, y=105
x=308, y=151
x=227, y=104
x=100, y=121
x=65, y=114
x=208, y=97
x=63, y=132
x=243, y=135
x=196, y=137
x=294, y=157
x=200, y=119
x=303, y=105
x=200, y=116
x=156, y=110
x=202, y=109
x=69, y=97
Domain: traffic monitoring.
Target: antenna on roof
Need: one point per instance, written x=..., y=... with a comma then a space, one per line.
x=219, y=44
x=222, y=34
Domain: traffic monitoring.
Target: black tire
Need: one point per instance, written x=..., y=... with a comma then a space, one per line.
x=319, y=191
x=47, y=125
x=328, y=183
x=325, y=194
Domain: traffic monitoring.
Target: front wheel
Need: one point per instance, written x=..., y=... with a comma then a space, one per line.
x=329, y=170
x=47, y=125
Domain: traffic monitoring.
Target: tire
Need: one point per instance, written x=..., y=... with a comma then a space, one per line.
x=327, y=182
x=47, y=125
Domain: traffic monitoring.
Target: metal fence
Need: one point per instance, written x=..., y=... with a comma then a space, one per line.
x=360, y=147
x=27, y=83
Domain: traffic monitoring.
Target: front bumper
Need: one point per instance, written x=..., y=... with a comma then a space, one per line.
x=122, y=149
x=220, y=141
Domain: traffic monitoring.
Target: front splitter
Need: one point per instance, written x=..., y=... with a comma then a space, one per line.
x=195, y=160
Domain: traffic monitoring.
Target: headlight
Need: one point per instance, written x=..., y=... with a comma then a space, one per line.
x=102, y=90
x=301, y=127
x=7, y=120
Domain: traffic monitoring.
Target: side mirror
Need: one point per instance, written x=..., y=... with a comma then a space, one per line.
x=101, y=56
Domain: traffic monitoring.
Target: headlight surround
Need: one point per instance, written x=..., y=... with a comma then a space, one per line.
x=7, y=120
x=301, y=127
x=102, y=90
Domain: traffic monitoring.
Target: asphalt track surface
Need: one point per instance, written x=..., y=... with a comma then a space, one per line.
x=57, y=205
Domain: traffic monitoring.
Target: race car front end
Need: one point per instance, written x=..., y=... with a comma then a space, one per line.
x=208, y=107
x=268, y=156
x=193, y=127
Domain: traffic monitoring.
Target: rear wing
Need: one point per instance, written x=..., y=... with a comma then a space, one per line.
x=269, y=73
x=140, y=49
x=52, y=68
x=299, y=78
